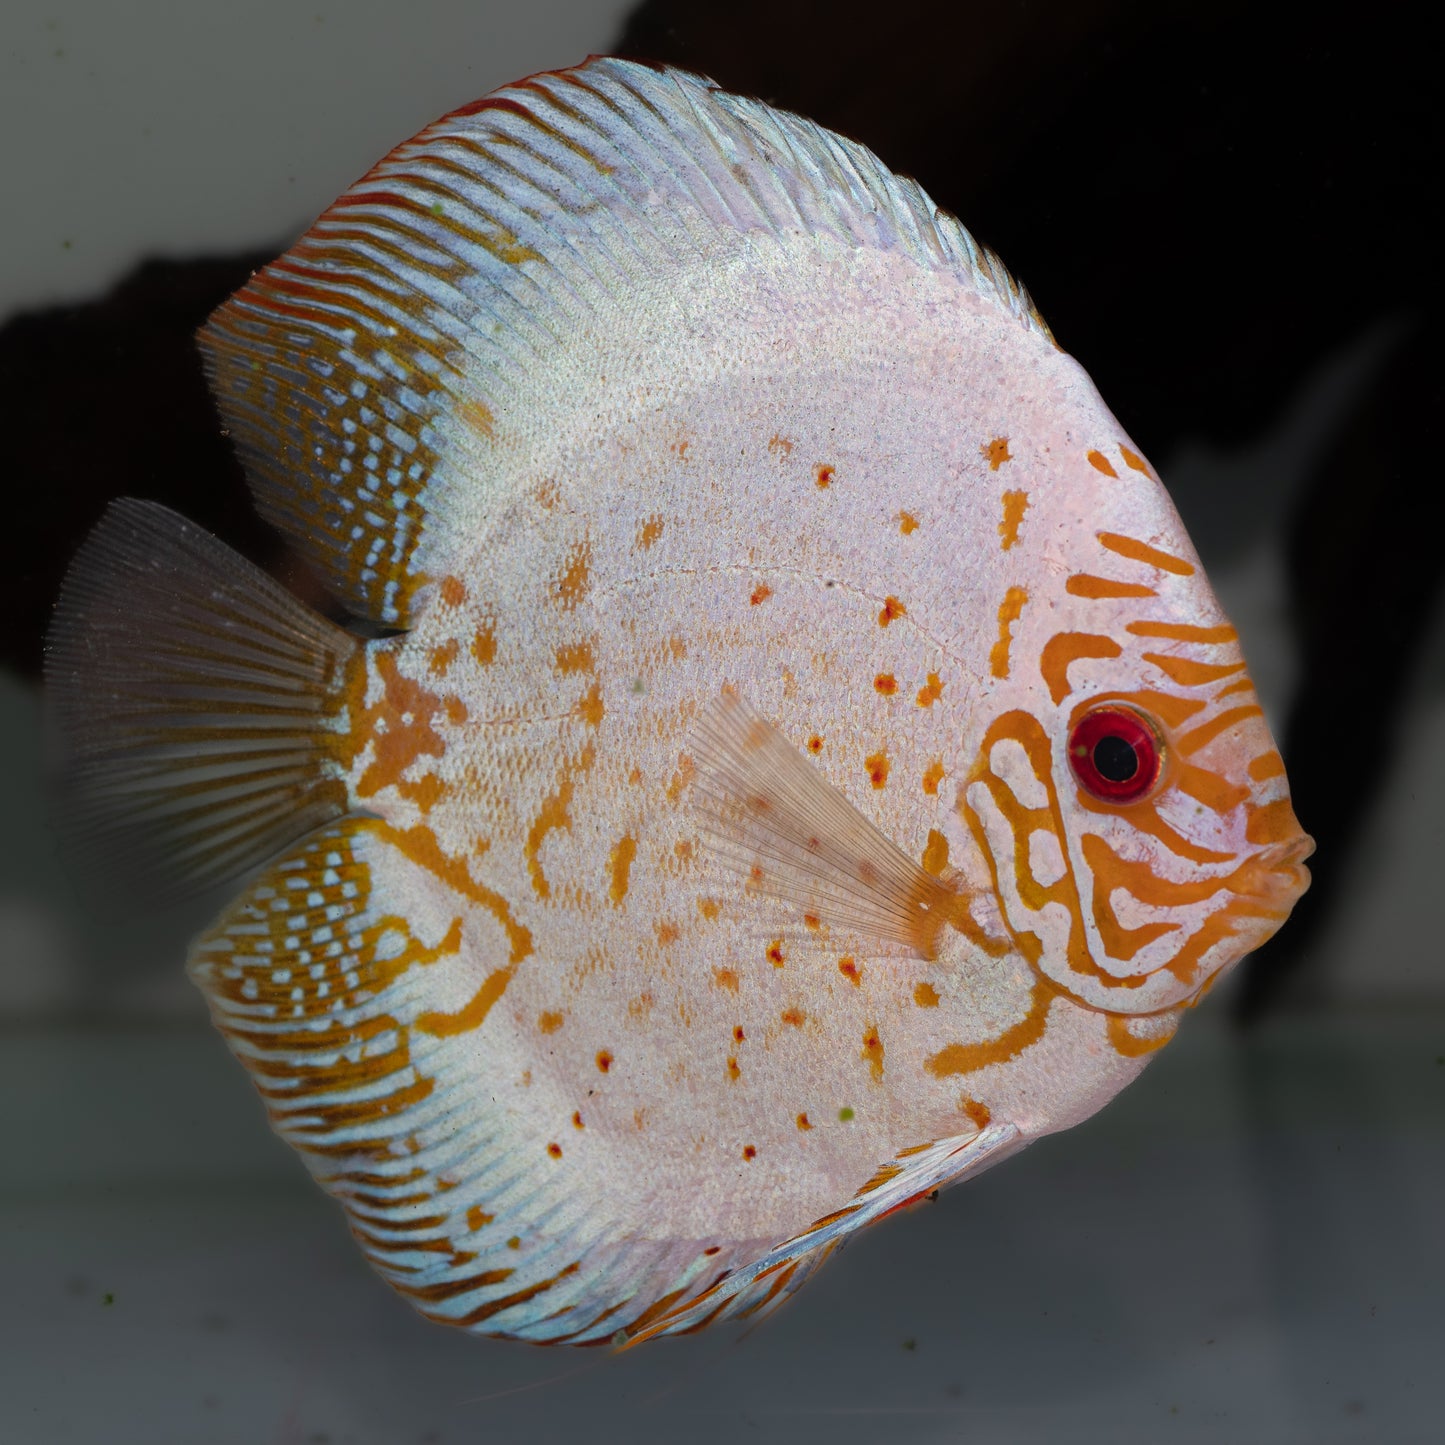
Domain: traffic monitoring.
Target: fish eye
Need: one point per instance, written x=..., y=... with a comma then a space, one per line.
x=1116, y=754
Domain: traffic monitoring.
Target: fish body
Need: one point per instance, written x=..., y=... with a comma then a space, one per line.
x=809, y=763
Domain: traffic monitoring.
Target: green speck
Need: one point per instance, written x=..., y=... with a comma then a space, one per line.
x=910, y=1344
x=436, y=208
x=845, y=1114
x=66, y=245
x=637, y=687
x=108, y=1298
x=619, y=1338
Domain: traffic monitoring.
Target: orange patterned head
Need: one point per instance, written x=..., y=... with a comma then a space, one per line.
x=1127, y=791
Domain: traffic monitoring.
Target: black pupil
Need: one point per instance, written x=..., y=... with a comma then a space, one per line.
x=1115, y=759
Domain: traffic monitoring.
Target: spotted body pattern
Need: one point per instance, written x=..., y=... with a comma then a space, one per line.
x=707, y=871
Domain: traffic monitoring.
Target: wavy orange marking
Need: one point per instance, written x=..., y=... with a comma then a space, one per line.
x=1271, y=822
x=1015, y=504
x=553, y=816
x=1082, y=584
x=1205, y=733
x=925, y=996
x=932, y=777
x=1188, y=673
x=1064, y=649
x=968, y=1058
x=935, y=853
x=1145, y=818
x=477, y=415
x=1216, y=792
x=1243, y=685
x=1009, y=611
x=1129, y=1044
x=472, y=1015
x=980, y=1115
x=1137, y=551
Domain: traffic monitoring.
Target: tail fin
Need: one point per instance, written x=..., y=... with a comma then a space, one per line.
x=200, y=706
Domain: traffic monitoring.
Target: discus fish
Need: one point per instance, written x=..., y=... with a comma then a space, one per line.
x=795, y=758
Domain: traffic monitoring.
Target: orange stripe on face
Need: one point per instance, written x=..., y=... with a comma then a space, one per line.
x=1137, y=551
x=1065, y=648
x=1217, y=793
x=1134, y=461
x=1205, y=733
x=966, y=1058
x=1243, y=685
x=1101, y=463
x=1083, y=585
x=1183, y=632
x=1266, y=765
x=1188, y=673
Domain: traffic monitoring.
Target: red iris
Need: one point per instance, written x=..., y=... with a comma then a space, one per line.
x=1115, y=754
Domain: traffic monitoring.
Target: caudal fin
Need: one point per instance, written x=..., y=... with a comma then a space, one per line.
x=199, y=706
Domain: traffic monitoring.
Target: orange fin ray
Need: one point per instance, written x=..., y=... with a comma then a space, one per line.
x=777, y=823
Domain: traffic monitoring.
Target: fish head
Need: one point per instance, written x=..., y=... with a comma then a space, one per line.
x=1127, y=792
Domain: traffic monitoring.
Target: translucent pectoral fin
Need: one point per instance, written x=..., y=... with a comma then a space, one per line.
x=754, y=1289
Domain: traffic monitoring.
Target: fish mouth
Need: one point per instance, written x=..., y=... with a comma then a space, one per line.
x=1279, y=876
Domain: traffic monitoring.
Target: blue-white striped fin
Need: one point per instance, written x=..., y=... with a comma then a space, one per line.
x=763, y=1284
x=362, y=373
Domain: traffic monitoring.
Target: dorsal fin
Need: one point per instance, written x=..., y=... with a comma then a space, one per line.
x=430, y=289
x=775, y=821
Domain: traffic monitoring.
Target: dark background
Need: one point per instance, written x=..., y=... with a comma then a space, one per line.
x=1228, y=212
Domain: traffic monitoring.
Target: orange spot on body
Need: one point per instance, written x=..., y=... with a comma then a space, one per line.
x=780, y=445
x=1015, y=504
x=930, y=692
x=738, y=1034
x=932, y=777
x=649, y=532
x=453, y=592
x=885, y=683
x=794, y=1017
x=484, y=646
x=760, y=594
x=667, y=933
x=815, y=744
x=1101, y=463
x=725, y=978
x=734, y=1073
x=979, y=1114
x=891, y=611
x=575, y=657
x=925, y=996
x=515, y=1242
x=996, y=453
x=1009, y=611
x=872, y=1054
x=708, y=907
x=824, y=477
x=935, y=853
x=604, y=1060
x=440, y=659
x=749, y=1152
x=576, y=576
x=555, y=1150
x=549, y=1022
x=619, y=863
x=803, y=1122
x=877, y=766
x=775, y=953
x=477, y=1217
x=907, y=523
x=850, y=970
x=577, y=1120
x=1135, y=461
